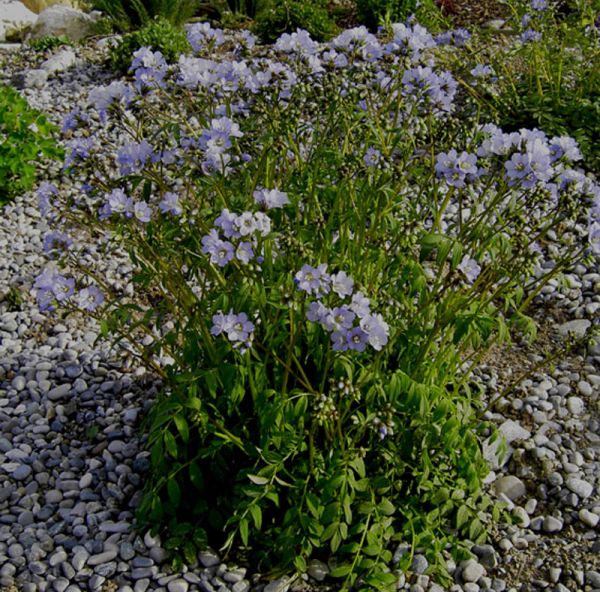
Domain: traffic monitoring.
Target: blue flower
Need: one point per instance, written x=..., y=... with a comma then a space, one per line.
x=238, y=328
x=89, y=298
x=271, y=198
x=313, y=280
x=170, y=204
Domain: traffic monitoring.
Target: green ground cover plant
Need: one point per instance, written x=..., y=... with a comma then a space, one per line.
x=548, y=78
x=325, y=245
x=25, y=137
x=129, y=15
x=49, y=42
x=159, y=34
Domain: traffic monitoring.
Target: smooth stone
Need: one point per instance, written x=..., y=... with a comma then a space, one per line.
x=178, y=585
x=552, y=524
x=588, y=518
x=318, y=570
x=208, y=558
x=59, y=392
x=280, y=585
x=578, y=327
x=101, y=558
x=471, y=570
x=580, y=487
x=241, y=586
x=510, y=486
x=575, y=405
x=419, y=564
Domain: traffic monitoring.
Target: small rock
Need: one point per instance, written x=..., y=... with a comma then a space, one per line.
x=21, y=472
x=552, y=524
x=575, y=405
x=178, y=585
x=208, y=558
x=588, y=518
x=317, y=570
x=280, y=585
x=512, y=487
x=419, y=564
x=578, y=327
x=580, y=487
x=59, y=392
x=471, y=570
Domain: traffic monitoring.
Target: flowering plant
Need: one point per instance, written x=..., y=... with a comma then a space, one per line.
x=323, y=252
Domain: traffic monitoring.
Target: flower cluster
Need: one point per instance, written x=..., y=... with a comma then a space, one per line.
x=271, y=198
x=430, y=90
x=202, y=36
x=149, y=68
x=118, y=202
x=117, y=92
x=457, y=169
x=241, y=232
x=238, y=328
x=215, y=141
x=52, y=287
x=351, y=325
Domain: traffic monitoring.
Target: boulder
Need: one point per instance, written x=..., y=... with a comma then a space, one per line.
x=60, y=20
x=14, y=17
x=38, y=6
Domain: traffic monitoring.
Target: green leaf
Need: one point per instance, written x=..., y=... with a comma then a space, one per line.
x=258, y=480
x=182, y=427
x=300, y=564
x=386, y=507
x=243, y=528
x=174, y=491
x=256, y=514
x=196, y=476
x=341, y=571
x=170, y=444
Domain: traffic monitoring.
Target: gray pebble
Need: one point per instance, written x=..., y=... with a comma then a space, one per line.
x=59, y=392
x=471, y=570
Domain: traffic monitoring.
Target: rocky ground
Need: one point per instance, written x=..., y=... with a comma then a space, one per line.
x=72, y=459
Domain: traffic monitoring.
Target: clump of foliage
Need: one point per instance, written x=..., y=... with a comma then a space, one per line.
x=549, y=78
x=160, y=35
x=285, y=16
x=49, y=42
x=373, y=13
x=26, y=136
x=323, y=253
x=128, y=15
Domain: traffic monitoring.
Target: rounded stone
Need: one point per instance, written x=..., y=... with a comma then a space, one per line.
x=510, y=486
x=580, y=487
x=471, y=570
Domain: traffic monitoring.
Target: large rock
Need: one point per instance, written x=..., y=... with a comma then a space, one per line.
x=13, y=17
x=38, y=6
x=63, y=20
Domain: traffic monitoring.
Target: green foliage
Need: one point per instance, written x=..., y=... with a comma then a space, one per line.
x=372, y=13
x=128, y=15
x=552, y=83
x=328, y=451
x=159, y=34
x=49, y=42
x=26, y=136
x=285, y=16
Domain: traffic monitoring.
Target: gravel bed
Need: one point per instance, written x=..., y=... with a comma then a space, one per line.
x=72, y=459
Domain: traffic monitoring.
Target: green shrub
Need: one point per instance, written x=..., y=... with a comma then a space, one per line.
x=330, y=449
x=25, y=136
x=49, y=42
x=127, y=15
x=159, y=34
x=549, y=78
x=286, y=16
x=372, y=13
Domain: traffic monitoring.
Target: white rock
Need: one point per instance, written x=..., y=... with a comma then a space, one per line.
x=578, y=327
x=512, y=487
x=60, y=62
x=62, y=20
x=552, y=524
x=580, y=487
x=589, y=518
x=14, y=15
x=35, y=78
x=471, y=570
x=575, y=405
